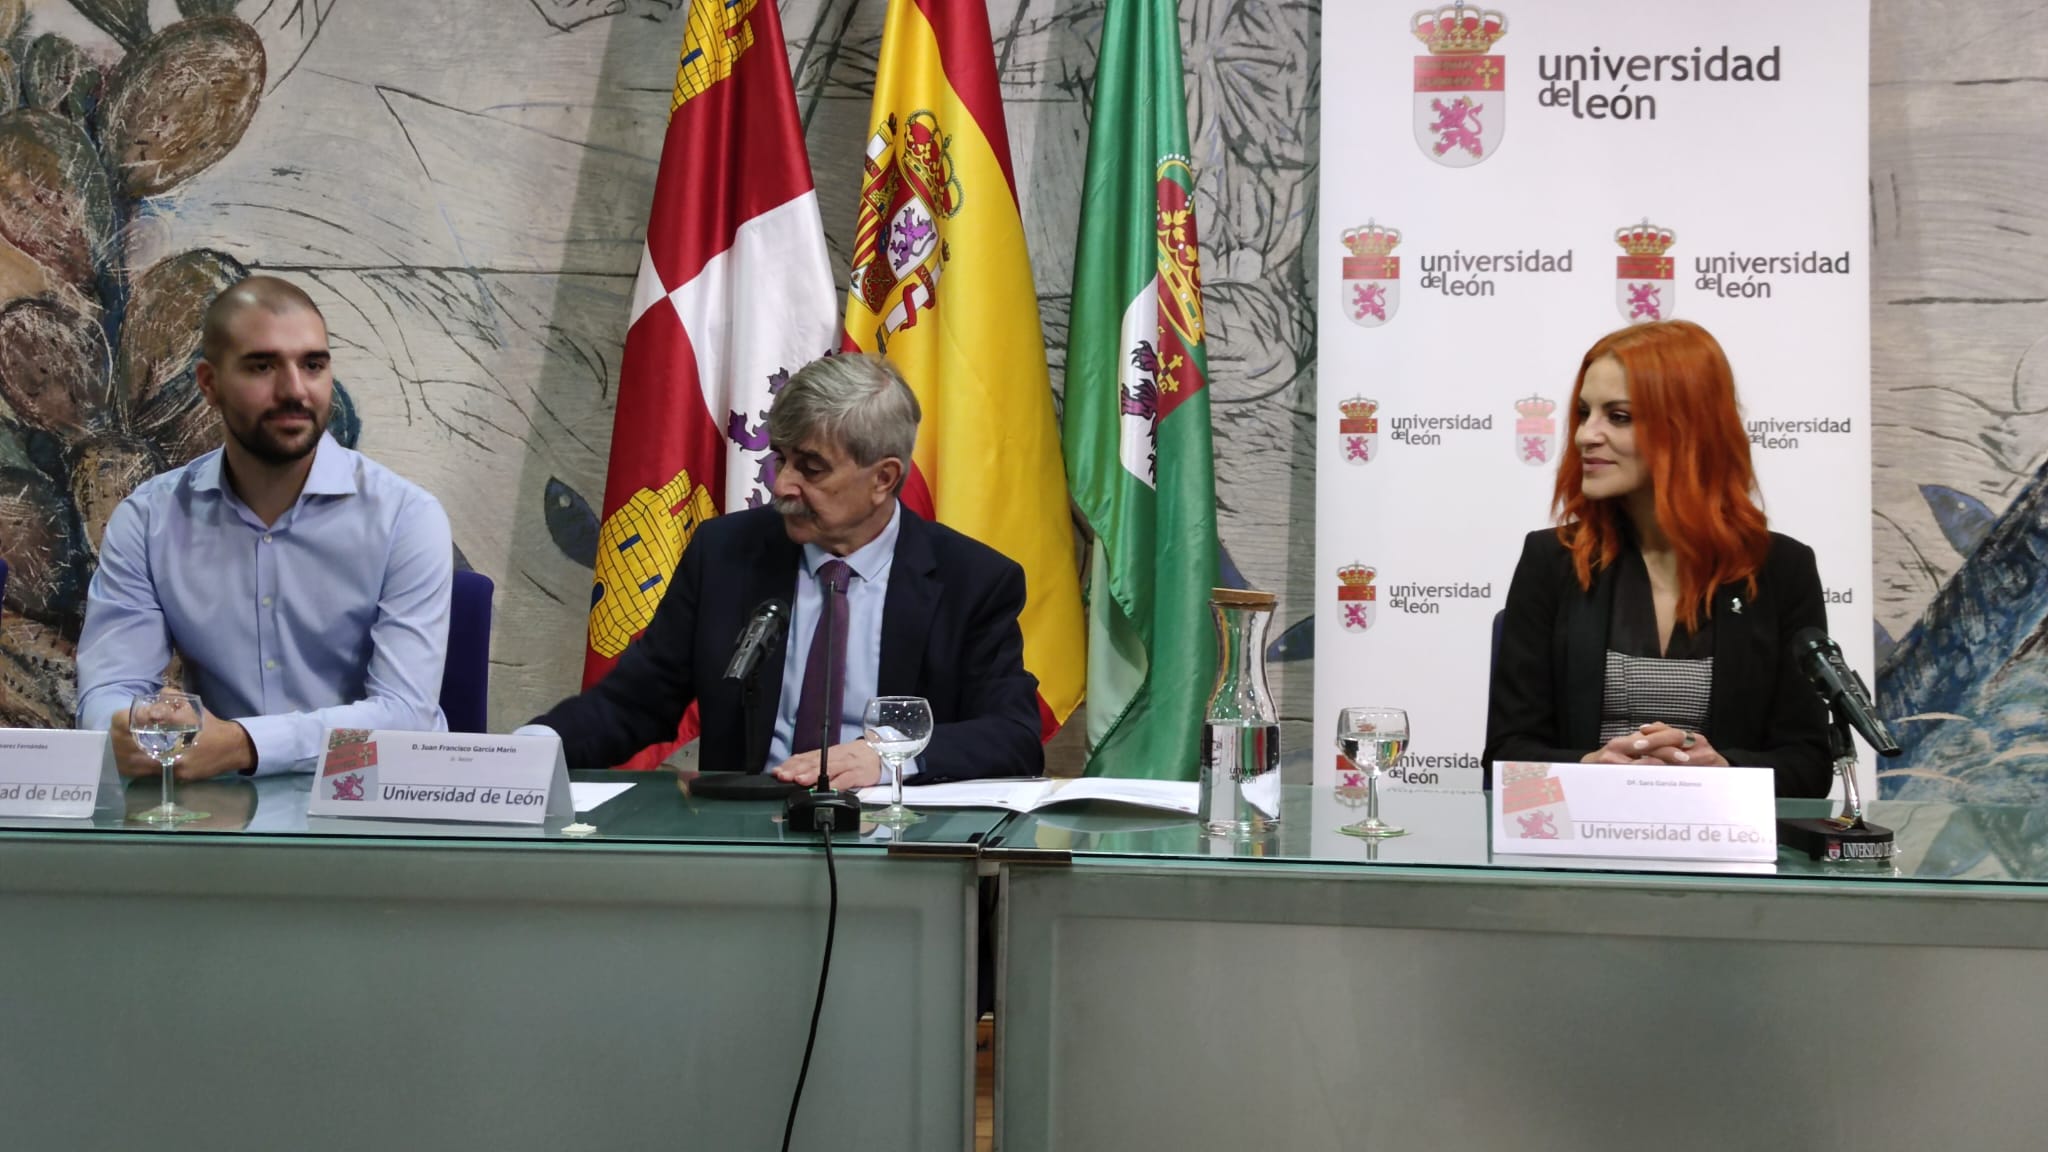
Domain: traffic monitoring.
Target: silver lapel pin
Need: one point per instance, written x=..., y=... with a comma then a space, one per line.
x=1737, y=605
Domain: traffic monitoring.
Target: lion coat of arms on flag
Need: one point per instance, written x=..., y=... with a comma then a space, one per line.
x=907, y=187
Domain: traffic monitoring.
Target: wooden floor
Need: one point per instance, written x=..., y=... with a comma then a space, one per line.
x=984, y=1085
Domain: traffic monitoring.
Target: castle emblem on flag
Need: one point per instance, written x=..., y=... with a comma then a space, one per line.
x=1372, y=275
x=1460, y=104
x=907, y=188
x=637, y=549
x=1644, y=287
x=1358, y=430
x=1535, y=430
x=714, y=38
x=1356, y=596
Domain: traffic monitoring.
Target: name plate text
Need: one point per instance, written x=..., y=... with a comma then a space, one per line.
x=442, y=776
x=56, y=773
x=1634, y=811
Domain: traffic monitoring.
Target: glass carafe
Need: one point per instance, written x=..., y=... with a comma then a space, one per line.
x=1241, y=732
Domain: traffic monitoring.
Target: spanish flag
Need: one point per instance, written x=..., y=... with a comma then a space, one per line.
x=942, y=286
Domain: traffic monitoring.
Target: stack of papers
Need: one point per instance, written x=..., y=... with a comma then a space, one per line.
x=1029, y=795
x=589, y=795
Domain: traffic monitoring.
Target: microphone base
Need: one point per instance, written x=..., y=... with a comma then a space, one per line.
x=801, y=812
x=1824, y=839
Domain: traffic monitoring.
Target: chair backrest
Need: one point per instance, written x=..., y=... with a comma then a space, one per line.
x=1493, y=662
x=466, y=678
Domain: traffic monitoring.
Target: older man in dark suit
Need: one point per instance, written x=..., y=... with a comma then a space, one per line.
x=918, y=609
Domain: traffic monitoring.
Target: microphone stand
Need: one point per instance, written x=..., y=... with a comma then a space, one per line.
x=821, y=809
x=1842, y=747
x=750, y=690
x=1847, y=836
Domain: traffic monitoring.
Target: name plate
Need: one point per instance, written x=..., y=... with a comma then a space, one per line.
x=442, y=776
x=1634, y=811
x=56, y=772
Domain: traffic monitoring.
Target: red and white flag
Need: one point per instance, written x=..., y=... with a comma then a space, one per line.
x=735, y=292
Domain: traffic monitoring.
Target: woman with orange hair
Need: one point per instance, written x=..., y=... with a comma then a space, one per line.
x=1653, y=625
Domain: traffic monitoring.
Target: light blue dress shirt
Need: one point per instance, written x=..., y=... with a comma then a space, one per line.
x=334, y=617
x=867, y=590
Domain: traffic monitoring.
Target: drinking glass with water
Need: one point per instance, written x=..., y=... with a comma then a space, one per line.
x=897, y=728
x=1371, y=740
x=165, y=725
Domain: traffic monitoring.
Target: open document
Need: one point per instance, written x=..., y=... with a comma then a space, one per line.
x=1029, y=795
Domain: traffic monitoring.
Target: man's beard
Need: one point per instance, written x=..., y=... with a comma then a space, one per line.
x=259, y=441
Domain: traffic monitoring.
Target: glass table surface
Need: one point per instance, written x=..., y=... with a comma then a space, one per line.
x=625, y=808
x=1996, y=844
x=1449, y=829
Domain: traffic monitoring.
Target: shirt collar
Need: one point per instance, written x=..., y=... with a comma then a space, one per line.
x=333, y=472
x=871, y=560
x=205, y=472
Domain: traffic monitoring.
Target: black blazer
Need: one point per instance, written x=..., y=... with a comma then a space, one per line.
x=1551, y=670
x=949, y=634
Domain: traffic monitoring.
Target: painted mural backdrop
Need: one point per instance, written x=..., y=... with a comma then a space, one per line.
x=462, y=186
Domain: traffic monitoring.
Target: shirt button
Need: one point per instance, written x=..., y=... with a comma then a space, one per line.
x=270, y=664
x=266, y=537
x=266, y=601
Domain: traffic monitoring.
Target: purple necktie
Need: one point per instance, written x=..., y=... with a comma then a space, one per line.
x=811, y=706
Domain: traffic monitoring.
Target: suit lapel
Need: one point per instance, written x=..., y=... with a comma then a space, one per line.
x=1587, y=617
x=907, y=610
x=1739, y=624
x=771, y=572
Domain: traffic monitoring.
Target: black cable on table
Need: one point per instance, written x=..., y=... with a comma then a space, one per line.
x=824, y=972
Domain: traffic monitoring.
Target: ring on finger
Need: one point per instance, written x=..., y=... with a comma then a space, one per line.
x=1691, y=738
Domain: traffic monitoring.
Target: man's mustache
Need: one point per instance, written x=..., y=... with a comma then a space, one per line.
x=792, y=507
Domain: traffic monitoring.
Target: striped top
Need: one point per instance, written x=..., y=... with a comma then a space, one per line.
x=1642, y=689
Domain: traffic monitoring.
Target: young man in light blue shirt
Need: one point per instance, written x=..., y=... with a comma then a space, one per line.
x=305, y=586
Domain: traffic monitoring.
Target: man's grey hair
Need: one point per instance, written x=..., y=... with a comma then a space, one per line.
x=854, y=400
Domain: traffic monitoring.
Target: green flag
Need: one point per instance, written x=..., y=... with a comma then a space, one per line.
x=1139, y=459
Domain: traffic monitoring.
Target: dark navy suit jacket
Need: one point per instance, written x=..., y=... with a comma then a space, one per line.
x=950, y=634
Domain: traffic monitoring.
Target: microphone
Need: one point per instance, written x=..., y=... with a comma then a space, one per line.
x=763, y=633
x=1847, y=836
x=1838, y=684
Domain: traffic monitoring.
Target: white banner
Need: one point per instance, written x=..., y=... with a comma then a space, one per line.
x=1499, y=189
